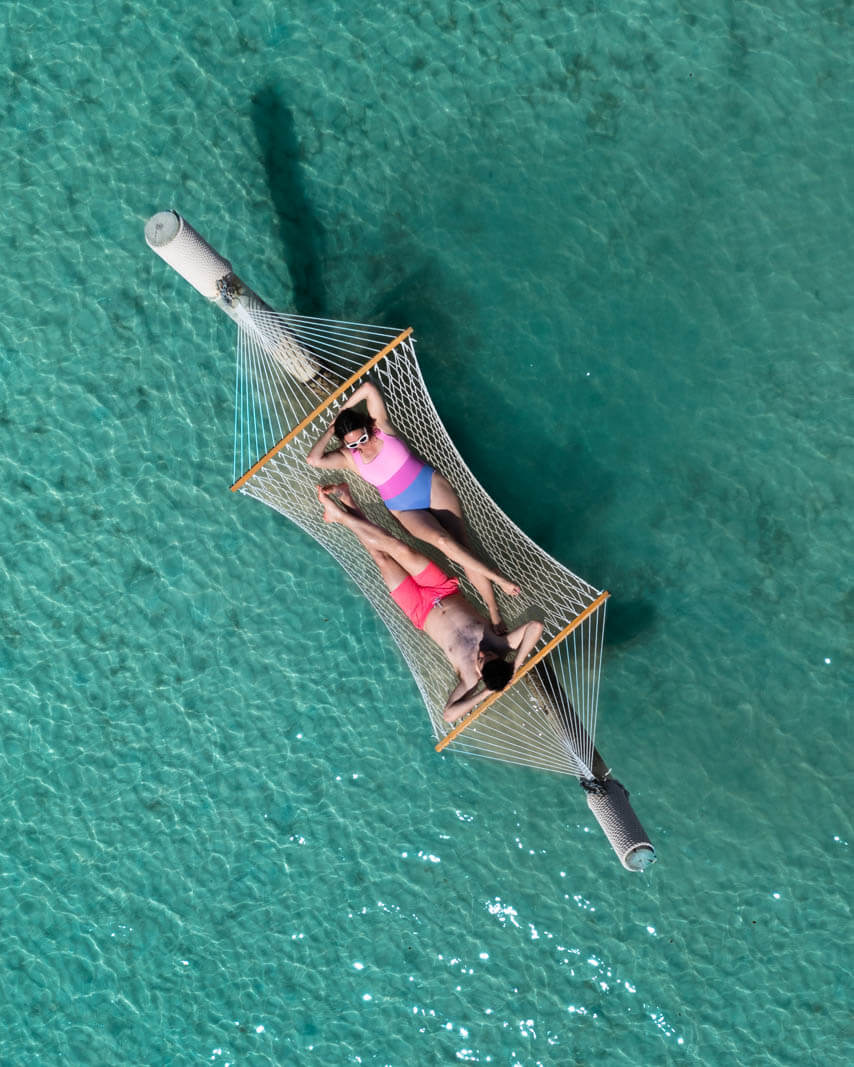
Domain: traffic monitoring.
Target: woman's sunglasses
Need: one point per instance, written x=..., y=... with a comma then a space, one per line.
x=363, y=440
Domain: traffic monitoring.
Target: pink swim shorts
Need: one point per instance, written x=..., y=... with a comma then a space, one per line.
x=418, y=594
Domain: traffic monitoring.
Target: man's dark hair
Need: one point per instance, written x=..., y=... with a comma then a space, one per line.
x=496, y=673
x=350, y=420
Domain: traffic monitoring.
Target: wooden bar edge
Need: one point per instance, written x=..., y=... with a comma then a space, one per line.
x=475, y=713
x=372, y=362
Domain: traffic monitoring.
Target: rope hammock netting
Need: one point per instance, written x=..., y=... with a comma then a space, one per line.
x=292, y=375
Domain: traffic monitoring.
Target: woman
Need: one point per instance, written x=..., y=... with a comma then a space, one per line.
x=411, y=490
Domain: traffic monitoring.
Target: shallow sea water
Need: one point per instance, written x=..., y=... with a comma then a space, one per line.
x=622, y=234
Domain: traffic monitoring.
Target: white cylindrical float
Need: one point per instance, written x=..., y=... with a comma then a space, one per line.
x=609, y=802
x=188, y=253
x=176, y=242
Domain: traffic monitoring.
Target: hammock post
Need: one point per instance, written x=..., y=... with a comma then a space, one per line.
x=176, y=242
x=609, y=802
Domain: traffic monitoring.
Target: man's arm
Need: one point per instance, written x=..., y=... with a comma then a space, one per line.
x=523, y=639
x=465, y=697
x=462, y=700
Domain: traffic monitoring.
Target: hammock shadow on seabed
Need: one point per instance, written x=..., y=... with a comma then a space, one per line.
x=292, y=374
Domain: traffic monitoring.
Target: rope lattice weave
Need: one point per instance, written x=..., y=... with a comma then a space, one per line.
x=548, y=718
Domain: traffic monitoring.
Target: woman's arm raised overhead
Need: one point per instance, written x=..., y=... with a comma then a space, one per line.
x=329, y=461
x=373, y=398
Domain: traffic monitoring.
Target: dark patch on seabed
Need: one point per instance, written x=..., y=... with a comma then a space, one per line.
x=421, y=299
x=302, y=236
x=628, y=620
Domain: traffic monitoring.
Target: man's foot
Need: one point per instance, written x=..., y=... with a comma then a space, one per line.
x=342, y=495
x=332, y=512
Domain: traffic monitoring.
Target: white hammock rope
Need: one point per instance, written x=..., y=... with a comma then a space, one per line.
x=547, y=719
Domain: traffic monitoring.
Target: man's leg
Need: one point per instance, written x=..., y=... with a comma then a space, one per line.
x=395, y=560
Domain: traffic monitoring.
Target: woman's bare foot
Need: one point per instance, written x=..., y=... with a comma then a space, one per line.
x=508, y=588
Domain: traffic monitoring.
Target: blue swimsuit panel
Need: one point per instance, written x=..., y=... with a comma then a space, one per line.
x=416, y=496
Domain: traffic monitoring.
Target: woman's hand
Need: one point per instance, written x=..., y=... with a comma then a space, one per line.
x=373, y=398
x=358, y=394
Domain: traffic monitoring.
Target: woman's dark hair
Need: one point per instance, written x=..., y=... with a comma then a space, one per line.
x=350, y=420
x=496, y=673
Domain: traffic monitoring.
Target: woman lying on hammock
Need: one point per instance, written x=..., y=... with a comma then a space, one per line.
x=420, y=498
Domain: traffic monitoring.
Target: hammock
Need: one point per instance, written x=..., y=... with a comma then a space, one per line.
x=292, y=375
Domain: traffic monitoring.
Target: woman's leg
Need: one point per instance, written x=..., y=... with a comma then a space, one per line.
x=426, y=527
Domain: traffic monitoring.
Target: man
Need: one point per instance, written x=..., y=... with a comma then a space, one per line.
x=432, y=602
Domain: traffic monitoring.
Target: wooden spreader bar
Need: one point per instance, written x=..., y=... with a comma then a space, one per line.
x=372, y=362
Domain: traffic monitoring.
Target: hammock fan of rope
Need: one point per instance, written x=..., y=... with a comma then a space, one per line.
x=292, y=374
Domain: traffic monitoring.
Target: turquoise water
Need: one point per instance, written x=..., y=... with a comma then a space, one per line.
x=623, y=236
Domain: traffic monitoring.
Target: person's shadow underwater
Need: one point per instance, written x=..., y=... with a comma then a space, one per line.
x=302, y=237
